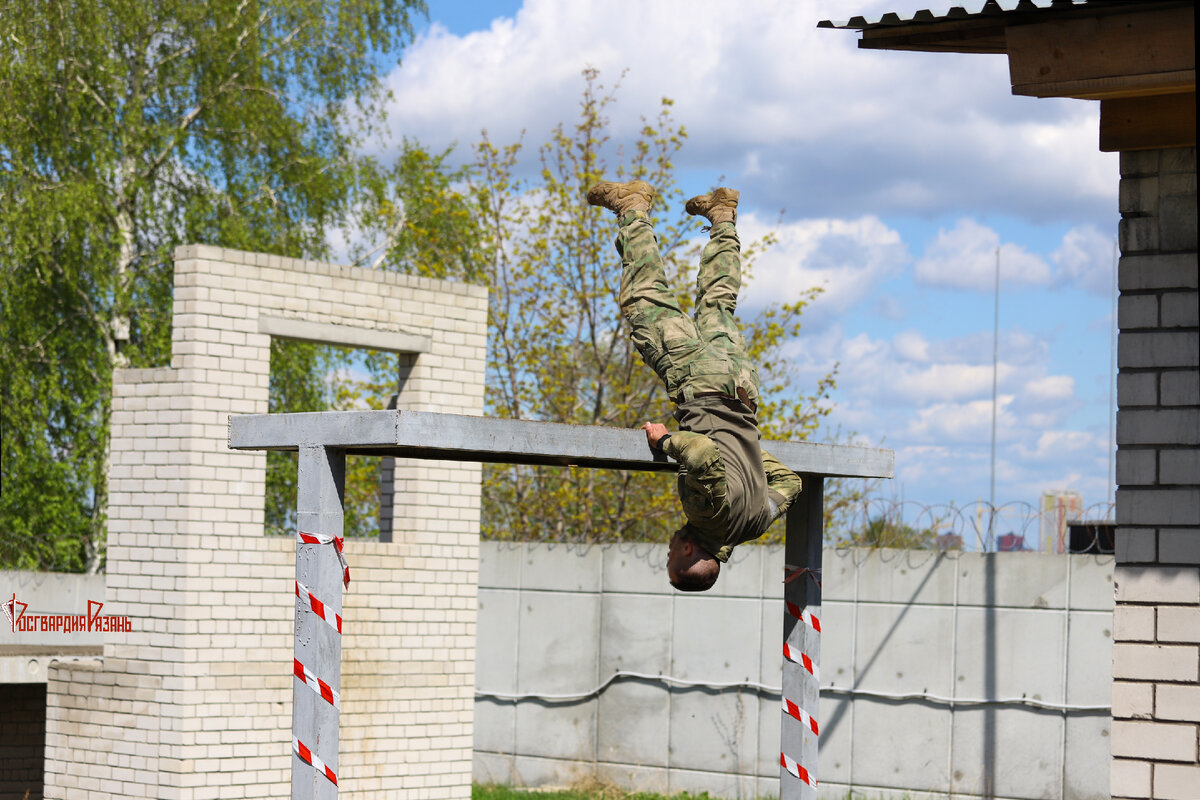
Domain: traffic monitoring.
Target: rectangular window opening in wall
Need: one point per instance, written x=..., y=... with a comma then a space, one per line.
x=308, y=376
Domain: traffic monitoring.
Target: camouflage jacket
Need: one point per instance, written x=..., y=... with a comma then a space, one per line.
x=731, y=490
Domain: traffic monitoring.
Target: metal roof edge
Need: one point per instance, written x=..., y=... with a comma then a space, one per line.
x=991, y=9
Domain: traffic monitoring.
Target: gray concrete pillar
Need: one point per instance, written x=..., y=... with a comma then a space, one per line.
x=801, y=643
x=316, y=684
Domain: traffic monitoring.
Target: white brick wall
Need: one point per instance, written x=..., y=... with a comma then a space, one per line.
x=195, y=702
x=1156, y=655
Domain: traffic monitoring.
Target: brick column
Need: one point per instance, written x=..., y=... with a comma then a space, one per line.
x=1156, y=655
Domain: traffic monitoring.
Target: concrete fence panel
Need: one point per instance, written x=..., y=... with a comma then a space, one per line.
x=937, y=668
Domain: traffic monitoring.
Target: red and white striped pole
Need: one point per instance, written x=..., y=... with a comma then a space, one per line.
x=801, y=643
x=317, y=664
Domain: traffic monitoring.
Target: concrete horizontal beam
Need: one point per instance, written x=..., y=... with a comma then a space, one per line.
x=344, y=335
x=454, y=437
x=17, y=666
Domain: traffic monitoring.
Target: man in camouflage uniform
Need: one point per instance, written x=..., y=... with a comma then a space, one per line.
x=731, y=490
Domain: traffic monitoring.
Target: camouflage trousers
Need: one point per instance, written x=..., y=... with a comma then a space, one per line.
x=692, y=356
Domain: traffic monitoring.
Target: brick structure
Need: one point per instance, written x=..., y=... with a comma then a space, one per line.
x=1156, y=655
x=194, y=702
x=1138, y=60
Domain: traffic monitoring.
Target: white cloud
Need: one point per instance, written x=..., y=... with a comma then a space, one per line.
x=799, y=116
x=845, y=257
x=948, y=381
x=969, y=422
x=911, y=346
x=909, y=371
x=900, y=377
x=902, y=383
x=862, y=348
x=965, y=258
x=1017, y=347
x=1051, y=388
x=1062, y=458
x=1058, y=445
x=931, y=400
x=1035, y=420
x=1085, y=259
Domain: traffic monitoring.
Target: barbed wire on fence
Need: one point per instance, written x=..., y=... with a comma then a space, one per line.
x=1014, y=526
x=872, y=522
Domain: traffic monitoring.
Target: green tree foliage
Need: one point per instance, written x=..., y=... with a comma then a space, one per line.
x=429, y=224
x=559, y=347
x=128, y=128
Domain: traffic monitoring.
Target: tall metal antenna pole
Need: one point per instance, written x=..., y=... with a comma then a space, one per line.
x=989, y=543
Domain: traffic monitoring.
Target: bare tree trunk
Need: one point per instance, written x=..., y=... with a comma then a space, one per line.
x=116, y=333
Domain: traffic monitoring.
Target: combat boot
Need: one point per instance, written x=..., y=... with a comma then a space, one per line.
x=719, y=205
x=622, y=197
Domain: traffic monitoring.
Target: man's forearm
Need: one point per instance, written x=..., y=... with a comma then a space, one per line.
x=781, y=479
x=695, y=451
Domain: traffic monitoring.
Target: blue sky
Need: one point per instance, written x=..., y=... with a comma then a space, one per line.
x=900, y=173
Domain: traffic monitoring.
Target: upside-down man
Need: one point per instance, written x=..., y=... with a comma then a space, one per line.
x=731, y=490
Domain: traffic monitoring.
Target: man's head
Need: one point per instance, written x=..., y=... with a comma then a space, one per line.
x=690, y=567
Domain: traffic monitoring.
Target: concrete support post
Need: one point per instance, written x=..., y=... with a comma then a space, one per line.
x=316, y=685
x=801, y=643
x=387, y=487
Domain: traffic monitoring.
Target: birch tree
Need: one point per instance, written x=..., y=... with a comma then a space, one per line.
x=127, y=128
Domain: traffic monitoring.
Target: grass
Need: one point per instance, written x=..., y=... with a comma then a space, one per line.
x=589, y=790
x=593, y=790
